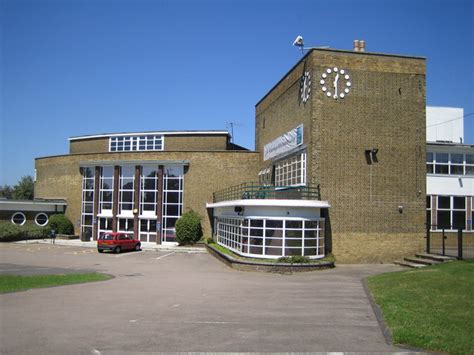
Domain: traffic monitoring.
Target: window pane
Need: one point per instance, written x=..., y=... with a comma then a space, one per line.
x=127, y=196
x=469, y=158
x=294, y=224
x=459, y=203
x=442, y=157
x=429, y=157
x=274, y=224
x=444, y=202
x=444, y=219
x=149, y=171
x=293, y=251
x=150, y=184
x=256, y=222
x=107, y=171
x=429, y=168
x=457, y=158
x=457, y=170
x=149, y=197
x=428, y=201
x=459, y=220
x=441, y=169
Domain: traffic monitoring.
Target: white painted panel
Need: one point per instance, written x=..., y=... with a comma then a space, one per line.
x=281, y=212
x=444, y=124
x=450, y=185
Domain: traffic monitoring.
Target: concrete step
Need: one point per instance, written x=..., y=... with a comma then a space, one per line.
x=440, y=258
x=423, y=261
x=409, y=264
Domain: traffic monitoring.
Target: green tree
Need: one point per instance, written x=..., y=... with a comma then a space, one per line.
x=24, y=189
x=6, y=191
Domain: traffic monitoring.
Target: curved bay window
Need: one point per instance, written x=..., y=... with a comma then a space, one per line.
x=272, y=238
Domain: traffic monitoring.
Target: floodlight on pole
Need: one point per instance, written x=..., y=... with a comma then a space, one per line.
x=298, y=42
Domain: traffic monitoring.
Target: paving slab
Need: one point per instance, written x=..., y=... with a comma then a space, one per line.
x=186, y=303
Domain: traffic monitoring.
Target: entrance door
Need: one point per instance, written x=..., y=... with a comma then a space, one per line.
x=105, y=225
x=148, y=230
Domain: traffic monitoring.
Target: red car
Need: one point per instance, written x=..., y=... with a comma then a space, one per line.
x=117, y=242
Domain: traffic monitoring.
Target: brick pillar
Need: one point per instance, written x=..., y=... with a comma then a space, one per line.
x=136, y=202
x=115, y=197
x=95, y=221
x=159, y=204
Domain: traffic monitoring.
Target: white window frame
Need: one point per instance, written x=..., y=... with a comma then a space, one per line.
x=41, y=214
x=126, y=213
x=102, y=211
x=85, y=203
x=167, y=226
x=291, y=171
x=451, y=210
x=231, y=231
x=21, y=214
x=136, y=143
x=467, y=168
x=148, y=213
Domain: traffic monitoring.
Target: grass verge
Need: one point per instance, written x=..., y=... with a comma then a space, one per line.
x=430, y=308
x=14, y=283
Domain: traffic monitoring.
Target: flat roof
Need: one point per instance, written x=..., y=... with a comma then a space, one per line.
x=165, y=133
x=271, y=203
x=450, y=144
x=36, y=201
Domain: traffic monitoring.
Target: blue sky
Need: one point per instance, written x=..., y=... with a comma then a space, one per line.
x=77, y=67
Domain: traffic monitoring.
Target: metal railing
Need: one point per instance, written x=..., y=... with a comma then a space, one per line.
x=450, y=241
x=255, y=190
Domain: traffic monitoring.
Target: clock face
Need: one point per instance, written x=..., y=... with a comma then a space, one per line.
x=335, y=83
x=305, y=86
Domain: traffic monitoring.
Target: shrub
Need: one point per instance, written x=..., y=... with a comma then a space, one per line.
x=61, y=224
x=188, y=228
x=10, y=232
x=295, y=259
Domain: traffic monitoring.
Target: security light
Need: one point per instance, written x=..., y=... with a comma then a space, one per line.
x=298, y=42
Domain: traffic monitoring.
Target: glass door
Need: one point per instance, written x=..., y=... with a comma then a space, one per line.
x=105, y=225
x=148, y=230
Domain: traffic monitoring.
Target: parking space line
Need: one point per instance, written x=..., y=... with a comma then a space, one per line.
x=125, y=254
x=164, y=256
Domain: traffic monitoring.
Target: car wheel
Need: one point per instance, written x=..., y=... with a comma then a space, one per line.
x=137, y=247
x=118, y=250
x=100, y=250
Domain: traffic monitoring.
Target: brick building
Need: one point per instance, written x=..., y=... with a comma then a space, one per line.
x=340, y=158
x=141, y=182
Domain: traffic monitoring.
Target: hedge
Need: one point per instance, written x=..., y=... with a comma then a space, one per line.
x=60, y=224
x=10, y=232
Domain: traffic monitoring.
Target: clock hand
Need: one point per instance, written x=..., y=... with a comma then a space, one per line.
x=335, y=84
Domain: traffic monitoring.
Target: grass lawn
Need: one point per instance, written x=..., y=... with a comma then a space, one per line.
x=430, y=308
x=14, y=283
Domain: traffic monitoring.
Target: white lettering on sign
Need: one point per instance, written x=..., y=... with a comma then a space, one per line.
x=284, y=143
